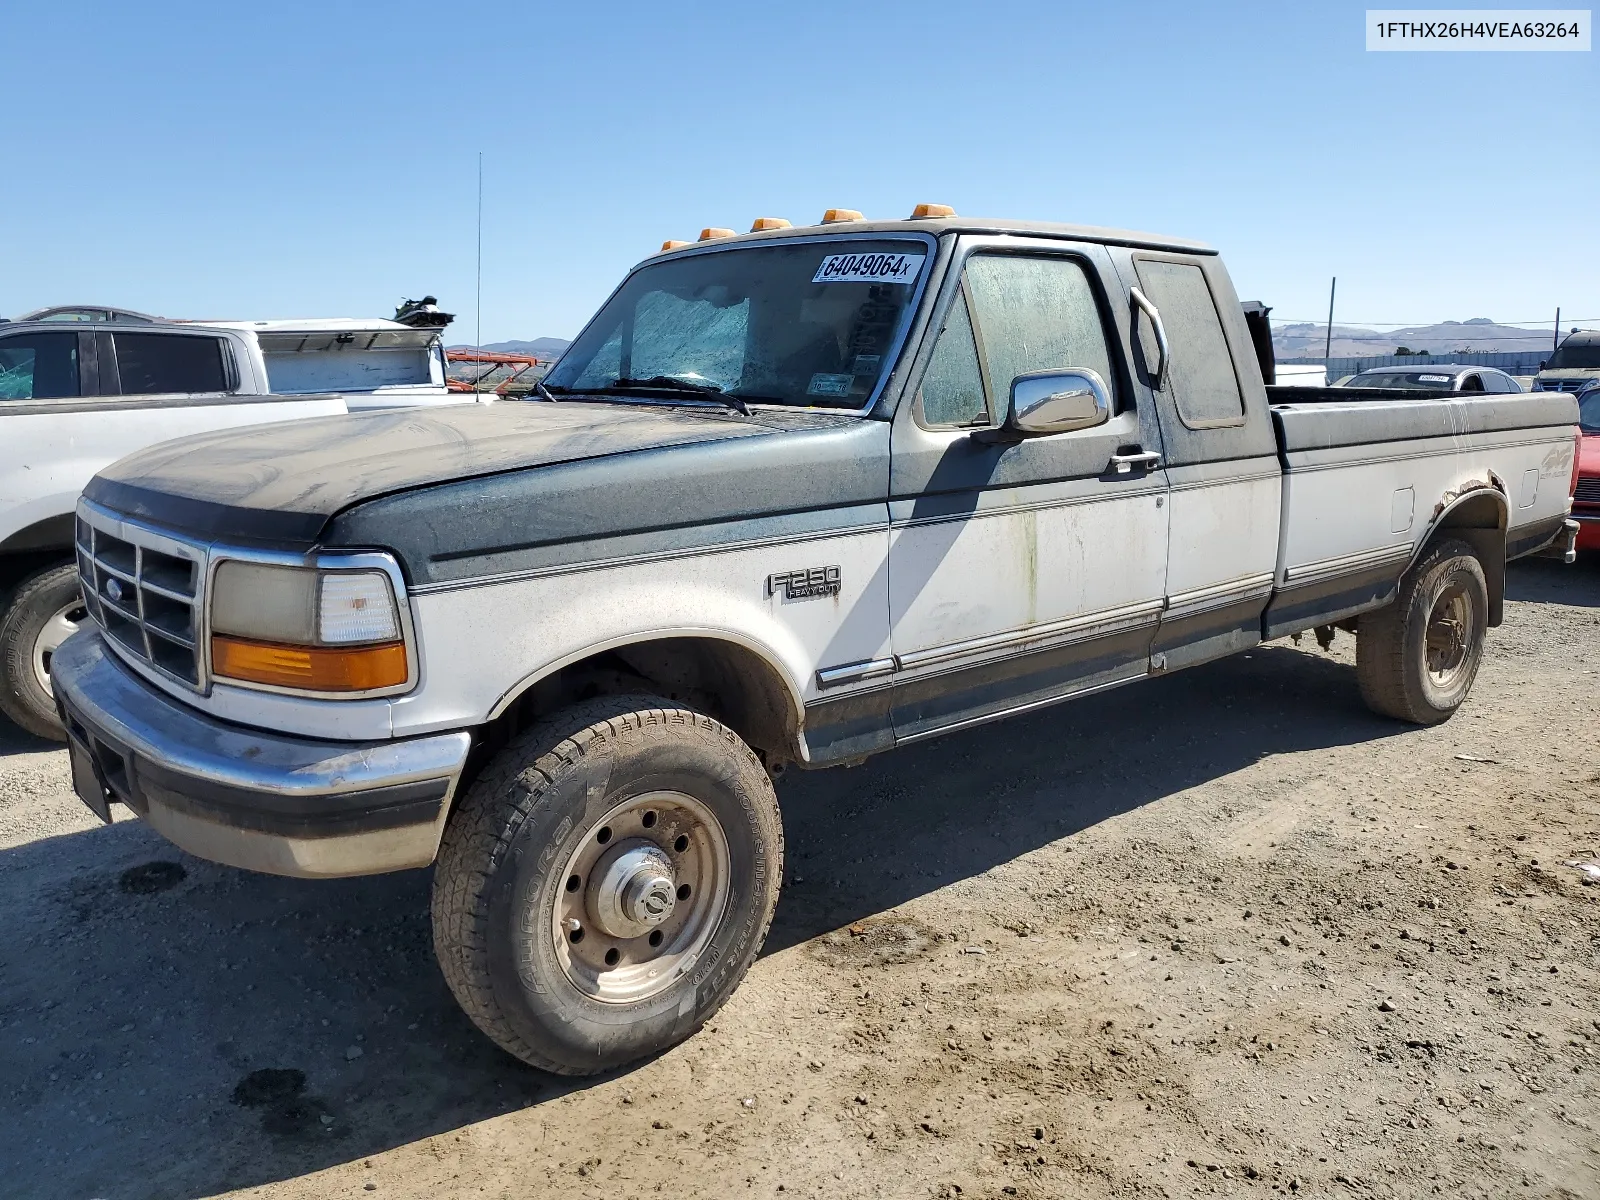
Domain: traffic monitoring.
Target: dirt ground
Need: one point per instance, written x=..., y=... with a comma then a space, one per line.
x=1223, y=933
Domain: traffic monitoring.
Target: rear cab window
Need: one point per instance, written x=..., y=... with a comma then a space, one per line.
x=152, y=364
x=39, y=366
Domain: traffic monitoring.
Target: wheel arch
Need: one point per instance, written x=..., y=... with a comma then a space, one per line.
x=45, y=543
x=1478, y=513
x=730, y=677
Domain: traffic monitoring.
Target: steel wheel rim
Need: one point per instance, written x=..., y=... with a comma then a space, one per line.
x=63, y=623
x=1449, y=636
x=620, y=951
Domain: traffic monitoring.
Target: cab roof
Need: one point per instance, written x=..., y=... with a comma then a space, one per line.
x=941, y=225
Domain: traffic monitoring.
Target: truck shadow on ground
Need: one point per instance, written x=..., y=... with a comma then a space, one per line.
x=14, y=740
x=174, y=1028
x=1550, y=581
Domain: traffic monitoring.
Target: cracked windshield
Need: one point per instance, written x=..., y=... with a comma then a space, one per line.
x=812, y=325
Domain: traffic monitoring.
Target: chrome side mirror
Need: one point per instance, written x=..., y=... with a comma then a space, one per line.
x=1044, y=402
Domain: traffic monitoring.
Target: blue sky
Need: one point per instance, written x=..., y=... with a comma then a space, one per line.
x=297, y=159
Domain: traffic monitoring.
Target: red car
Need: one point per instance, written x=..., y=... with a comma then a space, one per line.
x=1586, y=498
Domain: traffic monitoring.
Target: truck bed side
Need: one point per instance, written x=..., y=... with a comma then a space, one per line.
x=1368, y=479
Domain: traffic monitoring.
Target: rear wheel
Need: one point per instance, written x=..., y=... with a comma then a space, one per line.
x=603, y=887
x=1417, y=658
x=43, y=612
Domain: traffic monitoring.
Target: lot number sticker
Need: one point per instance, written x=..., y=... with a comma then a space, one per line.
x=869, y=268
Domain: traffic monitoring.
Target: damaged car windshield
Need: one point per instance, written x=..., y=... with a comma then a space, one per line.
x=809, y=324
x=1411, y=380
x=1575, y=355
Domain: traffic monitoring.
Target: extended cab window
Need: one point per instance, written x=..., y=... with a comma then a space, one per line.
x=157, y=363
x=1200, y=376
x=39, y=366
x=812, y=324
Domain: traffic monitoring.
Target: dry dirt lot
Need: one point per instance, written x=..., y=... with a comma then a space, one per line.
x=1224, y=933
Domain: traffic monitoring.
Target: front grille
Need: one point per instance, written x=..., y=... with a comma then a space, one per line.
x=1564, y=385
x=143, y=591
x=1588, y=490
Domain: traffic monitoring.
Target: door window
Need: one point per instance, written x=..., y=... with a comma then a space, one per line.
x=952, y=389
x=1472, y=384
x=39, y=366
x=1035, y=314
x=156, y=363
x=1200, y=375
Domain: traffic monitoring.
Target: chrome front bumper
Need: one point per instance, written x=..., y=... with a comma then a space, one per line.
x=264, y=801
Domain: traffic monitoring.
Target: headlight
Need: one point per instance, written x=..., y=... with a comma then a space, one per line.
x=314, y=630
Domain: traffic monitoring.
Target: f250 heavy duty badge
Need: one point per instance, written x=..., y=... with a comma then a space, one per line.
x=806, y=584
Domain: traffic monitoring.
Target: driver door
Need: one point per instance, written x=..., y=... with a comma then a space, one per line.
x=1021, y=572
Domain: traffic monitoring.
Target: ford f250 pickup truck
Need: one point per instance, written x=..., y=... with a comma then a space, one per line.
x=791, y=497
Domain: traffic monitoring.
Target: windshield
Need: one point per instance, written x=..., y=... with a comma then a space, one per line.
x=1575, y=356
x=1417, y=381
x=1589, y=410
x=812, y=324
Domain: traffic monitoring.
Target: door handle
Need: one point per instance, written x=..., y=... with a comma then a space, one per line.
x=1159, y=375
x=1148, y=460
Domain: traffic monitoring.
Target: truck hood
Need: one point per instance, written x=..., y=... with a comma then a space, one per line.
x=280, y=483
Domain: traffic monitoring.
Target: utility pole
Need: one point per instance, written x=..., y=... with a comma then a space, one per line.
x=1327, y=346
x=1556, y=343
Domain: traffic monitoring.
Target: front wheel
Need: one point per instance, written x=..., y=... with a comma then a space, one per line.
x=44, y=612
x=603, y=887
x=1416, y=659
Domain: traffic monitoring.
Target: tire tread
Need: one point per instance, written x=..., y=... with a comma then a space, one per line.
x=485, y=822
x=16, y=652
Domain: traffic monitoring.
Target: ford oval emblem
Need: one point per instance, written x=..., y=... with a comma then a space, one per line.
x=114, y=589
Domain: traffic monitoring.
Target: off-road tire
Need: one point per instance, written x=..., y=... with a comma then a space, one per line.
x=37, y=599
x=504, y=855
x=1392, y=642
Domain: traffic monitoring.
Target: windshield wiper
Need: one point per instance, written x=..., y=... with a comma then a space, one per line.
x=671, y=385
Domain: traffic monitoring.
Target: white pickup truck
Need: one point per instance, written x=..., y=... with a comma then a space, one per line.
x=798, y=497
x=82, y=388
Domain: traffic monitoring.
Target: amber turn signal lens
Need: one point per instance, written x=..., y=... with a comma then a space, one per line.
x=312, y=668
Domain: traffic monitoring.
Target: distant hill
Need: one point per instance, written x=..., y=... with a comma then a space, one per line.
x=1479, y=335
x=545, y=347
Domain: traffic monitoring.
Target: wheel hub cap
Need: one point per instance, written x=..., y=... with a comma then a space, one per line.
x=63, y=623
x=633, y=890
x=641, y=897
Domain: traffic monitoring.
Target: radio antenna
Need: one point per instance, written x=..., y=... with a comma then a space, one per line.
x=478, y=302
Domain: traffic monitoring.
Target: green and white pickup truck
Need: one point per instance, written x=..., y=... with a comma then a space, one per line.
x=791, y=498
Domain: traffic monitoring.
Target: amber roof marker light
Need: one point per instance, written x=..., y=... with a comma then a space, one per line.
x=931, y=212
x=672, y=244
x=764, y=223
x=835, y=215
x=712, y=233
